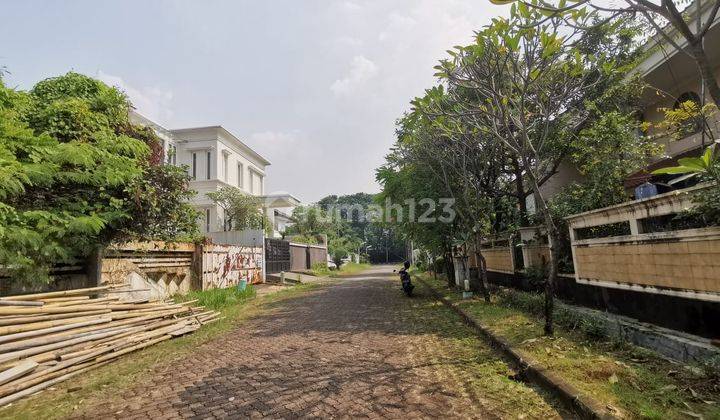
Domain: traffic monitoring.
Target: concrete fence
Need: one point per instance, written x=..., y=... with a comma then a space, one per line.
x=157, y=269
x=304, y=256
x=684, y=263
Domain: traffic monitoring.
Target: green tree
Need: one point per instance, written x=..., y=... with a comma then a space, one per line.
x=75, y=177
x=685, y=30
x=242, y=211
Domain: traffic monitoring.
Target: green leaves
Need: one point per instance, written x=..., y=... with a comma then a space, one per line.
x=691, y=165
x=75, y=175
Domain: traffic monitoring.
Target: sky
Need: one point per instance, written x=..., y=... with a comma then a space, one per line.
x=315, y=86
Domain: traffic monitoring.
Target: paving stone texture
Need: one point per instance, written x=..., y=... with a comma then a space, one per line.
x=350, y=349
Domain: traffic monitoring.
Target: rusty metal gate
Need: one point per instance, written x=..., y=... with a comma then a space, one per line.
x=277, y=255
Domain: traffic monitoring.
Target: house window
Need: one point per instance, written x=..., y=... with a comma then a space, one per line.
x=208, y=165
x=225, y=167
x=252, y=182
x=207, y=220
x=240, y=176
x=194, y=166
x=171, y=158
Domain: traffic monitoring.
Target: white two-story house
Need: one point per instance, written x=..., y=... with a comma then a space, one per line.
x=216, y=158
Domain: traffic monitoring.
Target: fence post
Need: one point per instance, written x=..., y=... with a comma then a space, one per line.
x=308, y=264
x=197, y=267
x=93, y=268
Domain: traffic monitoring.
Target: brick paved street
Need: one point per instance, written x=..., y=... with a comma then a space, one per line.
x=357, y=348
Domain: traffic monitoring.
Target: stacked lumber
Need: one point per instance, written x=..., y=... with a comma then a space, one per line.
x=46, y=338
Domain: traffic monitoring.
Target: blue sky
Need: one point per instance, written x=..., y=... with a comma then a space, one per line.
x=315, y=86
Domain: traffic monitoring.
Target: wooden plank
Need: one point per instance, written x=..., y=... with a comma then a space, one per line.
x=15, y=372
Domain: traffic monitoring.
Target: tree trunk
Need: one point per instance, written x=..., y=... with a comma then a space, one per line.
x=466, y=269
x=542, y=207
x=483, y=276
x=706, y=73
x=520, y=192
x=450, y=270
x=552, y=273
x=482, y=268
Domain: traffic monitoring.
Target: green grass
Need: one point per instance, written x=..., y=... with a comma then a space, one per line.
x=350, y=269
x=632, y=381
x=467, y=365
x=108, y=382
x=347, y=269
x=217, y=299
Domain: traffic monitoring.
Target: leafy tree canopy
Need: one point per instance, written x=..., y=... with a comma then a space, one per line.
x=76, y=174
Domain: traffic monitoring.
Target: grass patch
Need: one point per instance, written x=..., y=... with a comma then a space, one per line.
x=217, y=299
x=321, y=270
x=445, y=347
x=635, y=382
x=108, y=382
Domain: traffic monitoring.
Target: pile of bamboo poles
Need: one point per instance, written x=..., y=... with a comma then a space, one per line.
x=46, y=338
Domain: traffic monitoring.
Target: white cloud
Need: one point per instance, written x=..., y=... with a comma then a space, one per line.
x=350, y=6
x=273, y=143
x=152, y=102
x=361, y=70
x=348, y=41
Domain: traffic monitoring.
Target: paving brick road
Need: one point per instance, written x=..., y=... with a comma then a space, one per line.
x=355, y=349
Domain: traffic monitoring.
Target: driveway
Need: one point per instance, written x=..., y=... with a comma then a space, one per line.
x=356, y=348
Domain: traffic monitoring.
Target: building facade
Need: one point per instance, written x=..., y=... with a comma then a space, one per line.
x=672, y=77
x=215, y=158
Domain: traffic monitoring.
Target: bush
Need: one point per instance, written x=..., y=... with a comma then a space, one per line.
x=320, y=269
x=76, y=175
x=217, y=299
x=338, y=255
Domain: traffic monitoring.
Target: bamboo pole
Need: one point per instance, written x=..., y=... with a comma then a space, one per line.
x=116, y=354
x=35, y=323
x=46, y=331
x=65, y=299
x=52, y=309
x=15, y=355
x=82, y=302
x=38, y=377
x=20, y=303
x=40, y=387
x=49, y=339
x=72, y=292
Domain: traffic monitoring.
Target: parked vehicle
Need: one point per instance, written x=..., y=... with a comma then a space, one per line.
x=405, y=279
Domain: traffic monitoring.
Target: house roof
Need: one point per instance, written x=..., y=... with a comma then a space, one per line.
x=280, y=200
x=224, y=131
x=657, y=48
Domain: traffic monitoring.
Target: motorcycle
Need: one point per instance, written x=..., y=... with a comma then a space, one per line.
x=406, y=282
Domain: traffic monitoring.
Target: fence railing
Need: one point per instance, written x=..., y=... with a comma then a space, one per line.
x=682, y=263
x=499, y=255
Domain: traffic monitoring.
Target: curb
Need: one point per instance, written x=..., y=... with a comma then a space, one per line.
x=571, y=397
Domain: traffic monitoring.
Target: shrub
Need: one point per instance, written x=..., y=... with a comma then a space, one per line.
x=338, y=255
x=217, y=299
x=320, y=269
x=76, y=174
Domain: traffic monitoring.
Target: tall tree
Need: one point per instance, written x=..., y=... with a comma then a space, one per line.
x=685, y=30
x=531, y=81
